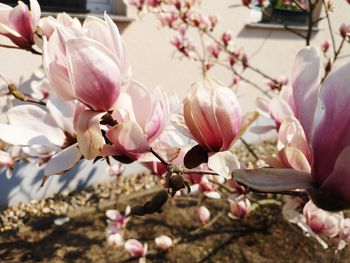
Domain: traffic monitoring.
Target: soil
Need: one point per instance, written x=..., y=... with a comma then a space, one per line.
x=262, y=237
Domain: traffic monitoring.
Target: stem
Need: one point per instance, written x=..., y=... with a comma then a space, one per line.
x=249, y=149
x=224, y=48
x=160, y=158
x=228, y=189
x=336, y=56
x=329, y=26
x=310, y=23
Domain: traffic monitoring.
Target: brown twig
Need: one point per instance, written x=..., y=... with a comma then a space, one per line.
x=329, y=26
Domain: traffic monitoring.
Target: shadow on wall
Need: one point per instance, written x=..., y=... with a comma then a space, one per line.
x=24, y=185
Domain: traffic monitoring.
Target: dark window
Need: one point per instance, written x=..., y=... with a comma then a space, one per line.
x=70, y=6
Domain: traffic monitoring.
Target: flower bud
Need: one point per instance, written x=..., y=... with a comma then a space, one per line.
x=343, y=30
x=240, y=209
x=163, y=242
x=213, y=115
x=325, y=46
x=135, y=248
x=203, y=214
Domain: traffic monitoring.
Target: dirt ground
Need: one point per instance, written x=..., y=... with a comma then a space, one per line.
x=263, y=237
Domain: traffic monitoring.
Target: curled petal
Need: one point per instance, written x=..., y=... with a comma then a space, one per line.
x=89, y=134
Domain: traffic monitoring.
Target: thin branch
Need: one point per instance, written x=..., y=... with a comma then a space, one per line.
x=329, y=26
x=249, y=148
x=337, y=52
x=160, y=158
x=8, y=46
x=223, y=186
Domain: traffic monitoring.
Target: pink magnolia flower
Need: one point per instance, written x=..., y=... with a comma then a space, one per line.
x=203, y=214
x=87, y=65
x=141, y=116
x=322, y=222
x=214, y=49
x=48, y=134
x=322, y=113
x=49, y=24
x=163, y=242
x=117, y=221
x=19, y=24
x=135, y=248
x=239, y=208
x=213, y=115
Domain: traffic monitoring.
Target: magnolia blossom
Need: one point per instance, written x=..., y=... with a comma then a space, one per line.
x=19, y=23
x=87, y=65
x=322, y=222
x=163, y=242
x=135, y=248
x=47, y=134
x=239, y=208
x=203, y=214
x=117, y=221
x=278, y=108
x=213, y=116
x=49, y=24
x=141, y=116
x=319, y=110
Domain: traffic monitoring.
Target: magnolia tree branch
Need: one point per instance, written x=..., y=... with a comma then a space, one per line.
x=329, y=27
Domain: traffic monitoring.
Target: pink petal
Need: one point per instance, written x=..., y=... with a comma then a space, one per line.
x=89, y=134
x=294, y=158
x=94, y=73
x=135, y=248
x=332, y=133
x=14, y=36
x=55, y=65
x=305, y=83
x=338, y=182
x=119, y=47
x=273, y=180
x=141, y=102
x=280, y=110
x=21, y=20
x=97, y=29
x=35, y=12
x=228, y=115
x=129, y=139
x=291, y=134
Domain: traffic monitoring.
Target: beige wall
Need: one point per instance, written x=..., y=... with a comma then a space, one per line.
x=150, y=52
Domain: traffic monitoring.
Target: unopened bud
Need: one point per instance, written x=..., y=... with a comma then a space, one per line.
x=343, y=30
x=159, y=199
x=138, y=210
x=177, y=182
